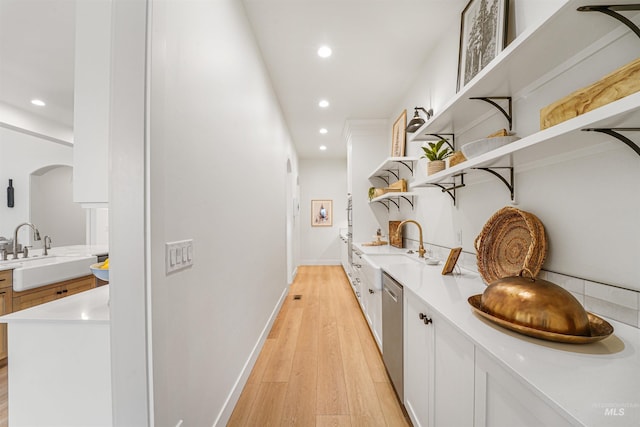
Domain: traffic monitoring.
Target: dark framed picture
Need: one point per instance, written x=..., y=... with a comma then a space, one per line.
x=483, y=35
x=321, y=213
x=398, y=135
x=451, y=261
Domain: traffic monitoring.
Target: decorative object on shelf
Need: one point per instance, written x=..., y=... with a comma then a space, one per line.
x=436, y=155
x=539, y=308
x=484, y=145
x=456, y=158
x=451, y=260
x=400, y=185
x=510, y=241
x=620, y=83
x=398, y=135
x=501, y=132
x=321, y=213
x=372, y=193
x=418, y=121
x=483, y=35
x=395, y=235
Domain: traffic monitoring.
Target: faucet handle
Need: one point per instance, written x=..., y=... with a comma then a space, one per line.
x=3, y=254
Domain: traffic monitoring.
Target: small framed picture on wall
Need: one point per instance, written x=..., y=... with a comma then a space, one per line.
x=321, y=213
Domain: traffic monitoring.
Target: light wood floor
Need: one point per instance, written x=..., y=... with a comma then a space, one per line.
x=320, y=365
x=3, y=394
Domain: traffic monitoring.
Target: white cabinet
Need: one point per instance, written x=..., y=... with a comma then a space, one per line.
x=503, y=401
x=438, y=369
x=344, y=253
x=371, y=277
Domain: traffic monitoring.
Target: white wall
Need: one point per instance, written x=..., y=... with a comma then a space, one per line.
x=586, y=200
x=322, y=179
x=220, y=181
x=20, y=155
x=53, y=210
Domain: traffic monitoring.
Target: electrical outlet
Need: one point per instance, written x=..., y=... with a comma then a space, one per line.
x=459, y=237
x=178, y=255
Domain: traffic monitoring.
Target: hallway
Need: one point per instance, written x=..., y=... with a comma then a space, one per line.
x=320, y=365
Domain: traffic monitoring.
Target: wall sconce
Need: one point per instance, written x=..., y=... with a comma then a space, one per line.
x=418, y=121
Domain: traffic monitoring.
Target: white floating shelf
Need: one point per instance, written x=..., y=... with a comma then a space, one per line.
x=558, y=140
x=531, y=55
x=393, y=164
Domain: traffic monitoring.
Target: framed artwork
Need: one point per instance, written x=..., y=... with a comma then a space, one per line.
x=398, y=135
x=321, y=213
x=451, y=261
x=483, y=35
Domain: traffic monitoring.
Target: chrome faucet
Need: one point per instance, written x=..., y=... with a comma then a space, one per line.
x=421, y=250
x=36, y=236
x=46, y=245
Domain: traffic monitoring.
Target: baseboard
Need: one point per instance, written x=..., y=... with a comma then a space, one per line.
x=232, y=399
x=321, y=262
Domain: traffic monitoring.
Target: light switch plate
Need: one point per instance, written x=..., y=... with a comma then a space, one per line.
x=178, y=255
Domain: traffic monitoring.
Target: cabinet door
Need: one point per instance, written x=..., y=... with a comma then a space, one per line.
x=454, y=360
x=503, y=401
x=33, y=297
x=6, y=303
x=75, y=286
x=418, y=342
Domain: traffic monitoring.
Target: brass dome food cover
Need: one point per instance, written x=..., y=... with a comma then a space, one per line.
x=540, y=309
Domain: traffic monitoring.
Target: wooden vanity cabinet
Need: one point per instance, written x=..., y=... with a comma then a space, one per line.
x=44, y=294
x=6, y=302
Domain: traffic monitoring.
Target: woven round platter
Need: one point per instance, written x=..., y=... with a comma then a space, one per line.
x=510, y=241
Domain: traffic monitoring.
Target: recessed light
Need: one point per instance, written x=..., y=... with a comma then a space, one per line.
x=323, y=103
x=323, y=131
x=323, y=147
x=324, y=52
x=38, y=102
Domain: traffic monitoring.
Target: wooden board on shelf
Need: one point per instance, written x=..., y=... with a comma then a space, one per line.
x=616, y=85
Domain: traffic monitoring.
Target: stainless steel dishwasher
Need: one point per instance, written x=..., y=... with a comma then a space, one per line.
x=392, y=315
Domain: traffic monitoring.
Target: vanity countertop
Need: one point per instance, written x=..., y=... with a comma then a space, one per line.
x=90, y=306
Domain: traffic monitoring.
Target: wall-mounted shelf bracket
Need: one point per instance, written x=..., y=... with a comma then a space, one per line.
x=451, y=187
x=490, y=100
x=394, y=172
x=408, y=165
x=509, y=182
x=612, y=11
x=614, y=133
x=385, y=203
x=408, y=198
x=440, y=136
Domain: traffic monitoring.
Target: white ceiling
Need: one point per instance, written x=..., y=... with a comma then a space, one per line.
x=378, y=48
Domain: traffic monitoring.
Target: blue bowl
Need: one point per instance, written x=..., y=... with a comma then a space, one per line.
x=98, y=272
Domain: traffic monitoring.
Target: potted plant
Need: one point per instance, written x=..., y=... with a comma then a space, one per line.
x=436, y=155
x=372, y=193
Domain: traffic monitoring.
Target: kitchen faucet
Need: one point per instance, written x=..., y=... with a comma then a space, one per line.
x=46, y=245
x=421, y=250
x=36, y=236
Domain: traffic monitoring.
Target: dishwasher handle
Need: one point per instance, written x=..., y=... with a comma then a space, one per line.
x=393, y=296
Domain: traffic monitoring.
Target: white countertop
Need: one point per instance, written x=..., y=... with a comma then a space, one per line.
x=91, y=306
x=581, y=379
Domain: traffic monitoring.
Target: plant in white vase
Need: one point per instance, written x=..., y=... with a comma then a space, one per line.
x=436, y=154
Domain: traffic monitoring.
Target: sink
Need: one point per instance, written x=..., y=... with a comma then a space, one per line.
x=34, y=272
x=394, y=258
